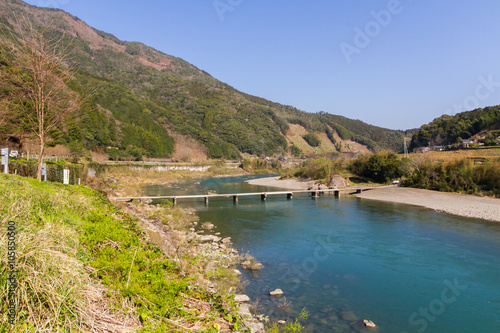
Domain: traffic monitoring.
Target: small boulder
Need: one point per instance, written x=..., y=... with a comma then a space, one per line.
x=226, y=240
x=255, y=266
x=246, y=263
x=282, y=322
x=236, y=271
x=208, y=238
x=241, y=298
x=369, y=323
x=207, y=226
x=337, y=181
x=276, y=292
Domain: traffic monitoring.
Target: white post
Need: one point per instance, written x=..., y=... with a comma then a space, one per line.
x=44, y=171
x=66, y=176
x=5, y=160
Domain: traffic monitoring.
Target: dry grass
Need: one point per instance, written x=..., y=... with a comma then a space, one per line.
x=188, y=149
x=55, y=291
x=453, y=155
x=99, y=157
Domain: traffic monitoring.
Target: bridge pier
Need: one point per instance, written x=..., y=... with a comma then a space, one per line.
x=235, y=198
x=206, y=200
x=336, y=194
x=174, y=201
x=289, y=195
x=263, y=197
x=314, y=194
x=359, y=191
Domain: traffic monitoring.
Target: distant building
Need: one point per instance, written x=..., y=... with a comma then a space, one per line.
x=466, y=143
x=421, y=150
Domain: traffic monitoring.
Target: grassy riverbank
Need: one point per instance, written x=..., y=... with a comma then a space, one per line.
x=86, y=266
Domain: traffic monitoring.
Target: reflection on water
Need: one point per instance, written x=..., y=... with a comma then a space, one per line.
x=408, y=269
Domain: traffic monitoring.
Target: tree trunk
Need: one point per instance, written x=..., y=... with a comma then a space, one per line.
x=40, y=160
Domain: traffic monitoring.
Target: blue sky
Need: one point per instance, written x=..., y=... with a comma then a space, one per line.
x=392, y=63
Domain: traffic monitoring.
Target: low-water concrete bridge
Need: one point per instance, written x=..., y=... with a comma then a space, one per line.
x=263, y=195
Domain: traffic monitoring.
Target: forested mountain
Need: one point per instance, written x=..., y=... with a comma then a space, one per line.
x=142, y=98
x=447, y=130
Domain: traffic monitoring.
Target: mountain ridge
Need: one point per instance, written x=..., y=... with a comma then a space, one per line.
x=146, y=93
x=481, y=124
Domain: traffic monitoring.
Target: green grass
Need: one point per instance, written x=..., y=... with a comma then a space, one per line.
x=84, y=266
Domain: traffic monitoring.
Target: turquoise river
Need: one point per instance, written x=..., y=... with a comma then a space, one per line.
x=407, y=269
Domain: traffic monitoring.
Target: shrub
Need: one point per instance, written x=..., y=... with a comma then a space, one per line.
x=312, y=140
x=381, y=167
x=457, y=176
x=296, y=151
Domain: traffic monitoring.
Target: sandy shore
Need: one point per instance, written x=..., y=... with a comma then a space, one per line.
x=289, y=184
x=452, y=203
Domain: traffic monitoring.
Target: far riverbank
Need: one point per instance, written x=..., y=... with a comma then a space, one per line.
x=289, y=184
x=451, y=203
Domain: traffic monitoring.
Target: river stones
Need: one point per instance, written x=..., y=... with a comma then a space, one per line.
x=326, y=309
x=348, y=316
x=241, y=298
x=252, y=266
x=369, y=323
x=333, y=317
x=209, y=238
x=207, y=226
x=276, y=292
x=244, y=310
x=364, y=326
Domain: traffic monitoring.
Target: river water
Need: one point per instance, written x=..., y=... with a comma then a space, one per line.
x=407, y=269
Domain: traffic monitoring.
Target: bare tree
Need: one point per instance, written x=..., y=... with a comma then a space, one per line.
x=38, y=80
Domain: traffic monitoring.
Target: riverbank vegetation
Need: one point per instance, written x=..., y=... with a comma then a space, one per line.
x=462, y=176
x=477, y=174
x=85, y=266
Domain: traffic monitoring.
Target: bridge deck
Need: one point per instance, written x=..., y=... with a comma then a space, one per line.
x=263, y=195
